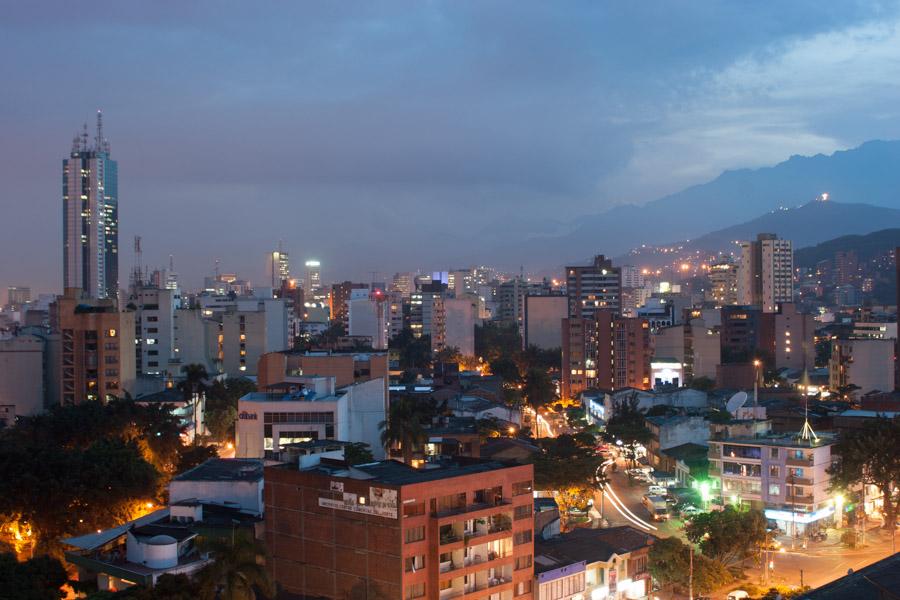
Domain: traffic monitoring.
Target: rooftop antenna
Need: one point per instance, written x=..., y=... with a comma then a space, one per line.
x=84, y=138
x=99, y=141
x=806, y=433
x=138, y=255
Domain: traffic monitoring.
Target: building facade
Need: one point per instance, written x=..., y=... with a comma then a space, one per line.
x=766, y=272
x=451, y=528
x=91, y=217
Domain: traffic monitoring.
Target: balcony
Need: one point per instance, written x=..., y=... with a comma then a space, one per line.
x=799, y=462
x=475, y=555
x=450, y=533
x=490, y=579
x=799, y=481
x=469, y=508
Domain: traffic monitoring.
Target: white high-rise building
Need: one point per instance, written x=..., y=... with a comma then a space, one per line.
x=91, y=217
x=154, y=329
x=766, y=273
x=312, y=285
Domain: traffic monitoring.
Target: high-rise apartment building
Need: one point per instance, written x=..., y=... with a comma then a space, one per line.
x=593, y=287
x=91, y=217
x=154, y=330
x=443, y=529
x=338, y=299
x=722, y=284
x=96, y=353
x=766, y=272
x=17, y=296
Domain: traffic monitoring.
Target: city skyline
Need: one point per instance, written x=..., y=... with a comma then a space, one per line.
x=409, y=124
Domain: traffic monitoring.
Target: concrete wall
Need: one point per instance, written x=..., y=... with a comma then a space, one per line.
x=21, y=377
x=543, y=320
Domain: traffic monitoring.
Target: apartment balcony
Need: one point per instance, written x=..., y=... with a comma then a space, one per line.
x=494, y=554
x=799, y=462
x=493, y=581
x=476, y=527
x=714, y=472
x=799, y=481
x=474, y=510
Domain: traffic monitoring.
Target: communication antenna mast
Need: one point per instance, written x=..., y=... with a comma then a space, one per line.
x=807, y=433
x=138, y=260
x=99, y=141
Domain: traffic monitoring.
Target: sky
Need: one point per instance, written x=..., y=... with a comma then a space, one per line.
x=388, y=136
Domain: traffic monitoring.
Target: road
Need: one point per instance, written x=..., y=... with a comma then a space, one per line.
x=820, y=563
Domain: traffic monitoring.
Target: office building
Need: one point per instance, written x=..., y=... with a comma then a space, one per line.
x=312, y=285
x=338, y=298
x=795, y=332
x=280, y=268
x=96, y=348
x=309, y=408
x=403, y=283
x=249, y=328
x=543, y=321
x=449, y=528
x=785, y=476
x=766, y=272
x=747, y=333
x=22, y=377
x=593, y=287
x=860, y=366
x=91, y=217
x=510, y=298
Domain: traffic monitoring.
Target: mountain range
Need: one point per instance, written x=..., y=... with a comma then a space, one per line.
x=865, y=179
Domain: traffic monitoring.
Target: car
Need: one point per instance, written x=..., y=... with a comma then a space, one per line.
x=738, y=595
x=690, y=511
x=657, y=490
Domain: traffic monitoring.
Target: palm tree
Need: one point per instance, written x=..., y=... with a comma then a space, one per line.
x=238, y=573
x=404, y=425
x=194, y=384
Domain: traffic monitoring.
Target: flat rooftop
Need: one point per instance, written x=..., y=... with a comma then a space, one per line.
x=393, y=472
x=784, y=441
x=224, y=469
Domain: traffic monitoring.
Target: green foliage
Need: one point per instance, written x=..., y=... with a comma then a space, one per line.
x=221, y=406
x=540, y=358
x=406, y=424
x=168, y=587
x=358, y=453
x=569, y=466
x=493, y=340
x=37, y=579
x=448, y=354
x=869, y=456
x=506, y=369
x=728, y=535
x=538, y=388
x=237, y=573
x=670, y=562
x=415, y=353
x=627, y=424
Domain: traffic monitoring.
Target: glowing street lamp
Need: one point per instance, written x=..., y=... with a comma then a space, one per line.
x=838, y=510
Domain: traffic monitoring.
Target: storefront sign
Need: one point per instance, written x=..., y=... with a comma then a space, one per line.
x=247, y=416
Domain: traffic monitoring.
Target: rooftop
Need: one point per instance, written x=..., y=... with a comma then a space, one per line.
x=788, y=440
x=878, y=580
x=224, y=469
x=392, y=472
x=589, y=545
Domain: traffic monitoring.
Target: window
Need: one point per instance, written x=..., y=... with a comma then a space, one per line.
x=522, y=537
x=774, y=471
x=111, y=333
x=521, y=488
x=522, y=588
x=523, y=562
x=416, y=590
x=414, y=509
x=411, y=564
x=415, y=534
x=636, y=566
x=522, y=512
x=774, y=453
x=774, y=489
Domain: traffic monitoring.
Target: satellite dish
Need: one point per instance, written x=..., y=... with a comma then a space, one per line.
x=736, y=401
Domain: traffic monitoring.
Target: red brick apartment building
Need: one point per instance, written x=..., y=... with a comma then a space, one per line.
x=458, y=528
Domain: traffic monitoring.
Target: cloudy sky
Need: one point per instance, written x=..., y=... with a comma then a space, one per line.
x=384, y=136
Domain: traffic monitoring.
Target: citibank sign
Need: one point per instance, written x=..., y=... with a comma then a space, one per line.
x=247, y=416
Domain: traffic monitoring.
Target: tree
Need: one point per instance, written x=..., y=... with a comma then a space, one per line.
x=728, y=535
x=194, y=381
x=221, y=406
x=448, y=354
x=358, y=453
x=540, y=358
x=238, y=572
x=570, y=467
x=405, y=425
x=493, y=340
x=506, y=369
x=37, y=579
x=627, y=424
x=415, y=353
x=538, y=389
x=869, y=456
x=670, y=565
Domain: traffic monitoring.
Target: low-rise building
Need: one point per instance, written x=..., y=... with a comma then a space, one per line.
x=600, y=564
x=310, y=408
x=671, y=431
x=866, y=363
x=450, y=528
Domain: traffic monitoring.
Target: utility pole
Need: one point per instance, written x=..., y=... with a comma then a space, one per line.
x=801, y=578
x=691, y=573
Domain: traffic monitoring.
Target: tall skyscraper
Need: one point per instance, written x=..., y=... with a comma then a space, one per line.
x=312, y=285
x=766, y=273
x=91, y=217
x=281, y=267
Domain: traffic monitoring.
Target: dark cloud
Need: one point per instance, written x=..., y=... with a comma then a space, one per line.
x=355, y=130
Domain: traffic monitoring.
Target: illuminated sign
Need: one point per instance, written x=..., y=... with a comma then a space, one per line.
x=783, y=515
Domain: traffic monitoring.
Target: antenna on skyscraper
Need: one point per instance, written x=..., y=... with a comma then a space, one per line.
x=138, y=259
x=99, y=141
x=84, y=138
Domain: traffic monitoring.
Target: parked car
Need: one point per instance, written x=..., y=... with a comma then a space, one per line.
x=690, y=511
x=657, y=490
x=738, y=595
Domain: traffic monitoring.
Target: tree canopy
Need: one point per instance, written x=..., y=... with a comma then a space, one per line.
x=670, y=561
x=39, y=578
x=728, y=535
x=570, y=467
x=869, y=456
